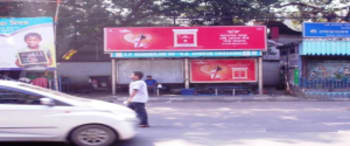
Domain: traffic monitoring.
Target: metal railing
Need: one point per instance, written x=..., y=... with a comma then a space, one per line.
x=325, y=83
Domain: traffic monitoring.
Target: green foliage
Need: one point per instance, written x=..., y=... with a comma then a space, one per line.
x=313, y=10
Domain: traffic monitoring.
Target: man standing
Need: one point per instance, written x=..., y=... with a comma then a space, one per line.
x=138, y=97
x=151, y=84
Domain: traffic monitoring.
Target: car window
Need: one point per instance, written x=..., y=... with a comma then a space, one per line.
x=56, y=93
x=14, y=96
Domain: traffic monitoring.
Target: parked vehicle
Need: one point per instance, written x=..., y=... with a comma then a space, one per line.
x=31, y=113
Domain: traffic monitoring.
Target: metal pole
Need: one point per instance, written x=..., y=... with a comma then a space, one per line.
x=158, y=91
x=58, y=4
x=113, y=77
x=187, y=74
x=261, y=84
x=55, y=74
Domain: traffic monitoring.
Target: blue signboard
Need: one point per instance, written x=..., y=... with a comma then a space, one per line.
x=181, y=54
x=9, y=26
x=330, y=29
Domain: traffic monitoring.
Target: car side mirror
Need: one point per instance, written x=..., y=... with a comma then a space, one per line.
x=47, y=101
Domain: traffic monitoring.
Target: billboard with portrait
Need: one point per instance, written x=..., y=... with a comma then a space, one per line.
x=27, y=43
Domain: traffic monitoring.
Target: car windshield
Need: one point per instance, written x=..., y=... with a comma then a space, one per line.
x=57, y=93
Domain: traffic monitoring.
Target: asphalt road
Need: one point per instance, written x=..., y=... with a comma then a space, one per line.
x=242, y=124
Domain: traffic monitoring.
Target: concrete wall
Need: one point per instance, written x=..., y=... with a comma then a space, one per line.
x=271, y=73
x=79, y=72
x=165, y=71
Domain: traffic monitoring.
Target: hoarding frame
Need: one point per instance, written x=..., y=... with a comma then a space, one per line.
x=179, y=50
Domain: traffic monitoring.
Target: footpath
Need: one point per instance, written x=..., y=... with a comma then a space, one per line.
x=221, y=98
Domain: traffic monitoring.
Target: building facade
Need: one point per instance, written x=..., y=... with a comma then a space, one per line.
x=319, y=66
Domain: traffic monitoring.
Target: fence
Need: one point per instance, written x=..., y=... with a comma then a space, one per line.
x=325, y=83
x=326, y=88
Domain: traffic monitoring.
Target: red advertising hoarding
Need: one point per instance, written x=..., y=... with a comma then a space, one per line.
x=185, y=38
x=224, y=71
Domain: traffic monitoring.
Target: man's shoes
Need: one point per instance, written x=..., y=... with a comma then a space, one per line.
x=144, y=126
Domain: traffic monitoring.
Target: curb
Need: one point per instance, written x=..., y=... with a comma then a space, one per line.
x=118, y=99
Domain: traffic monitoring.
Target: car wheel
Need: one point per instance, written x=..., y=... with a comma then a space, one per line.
x=93, y=135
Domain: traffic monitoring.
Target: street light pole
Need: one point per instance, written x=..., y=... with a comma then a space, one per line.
x=113, y=77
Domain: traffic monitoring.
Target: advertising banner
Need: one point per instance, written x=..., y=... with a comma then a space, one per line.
x=27, y=43
x=191, y=54
x=185, y=38
x=224, y=71
x=329, y=29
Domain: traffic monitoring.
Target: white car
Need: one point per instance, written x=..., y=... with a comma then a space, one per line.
x=31, y=113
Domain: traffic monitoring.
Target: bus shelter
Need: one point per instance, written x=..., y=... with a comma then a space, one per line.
x=188, y=55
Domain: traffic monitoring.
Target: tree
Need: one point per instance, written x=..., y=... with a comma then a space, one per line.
x=229, y=12
x=313, y=10
x=81, y=22
x=26, y=8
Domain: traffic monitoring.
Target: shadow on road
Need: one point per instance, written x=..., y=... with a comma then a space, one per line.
x=134, y=142
x=32, y=144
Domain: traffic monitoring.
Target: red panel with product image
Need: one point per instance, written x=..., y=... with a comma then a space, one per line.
x=223, y=70
x=129, y=39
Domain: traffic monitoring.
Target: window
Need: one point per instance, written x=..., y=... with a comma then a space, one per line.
x=13, y=96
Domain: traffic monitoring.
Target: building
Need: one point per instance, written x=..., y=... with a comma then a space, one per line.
x=281, y=38
x=319, y=66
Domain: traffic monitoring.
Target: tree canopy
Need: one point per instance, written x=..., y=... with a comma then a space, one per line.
x=313, y=10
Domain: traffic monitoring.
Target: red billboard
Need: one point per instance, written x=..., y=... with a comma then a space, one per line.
x=224, y=71
x=129, y=39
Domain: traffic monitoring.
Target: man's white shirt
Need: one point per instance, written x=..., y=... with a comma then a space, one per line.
x=142, y=93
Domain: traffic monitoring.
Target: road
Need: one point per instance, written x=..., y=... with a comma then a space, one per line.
x=242, y=124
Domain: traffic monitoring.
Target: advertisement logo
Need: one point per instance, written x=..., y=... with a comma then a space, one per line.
x=185, y=37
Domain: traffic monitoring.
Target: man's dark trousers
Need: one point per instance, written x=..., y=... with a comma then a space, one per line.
x=140, y=110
